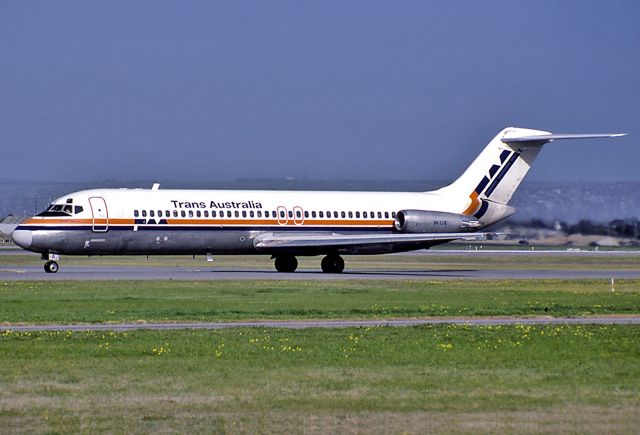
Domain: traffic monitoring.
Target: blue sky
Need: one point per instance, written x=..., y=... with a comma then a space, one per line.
x=334, y=89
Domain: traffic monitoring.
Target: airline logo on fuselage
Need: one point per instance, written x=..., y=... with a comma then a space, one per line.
x=215, y=204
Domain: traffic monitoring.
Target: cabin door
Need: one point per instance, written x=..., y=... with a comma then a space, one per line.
x=100, y=214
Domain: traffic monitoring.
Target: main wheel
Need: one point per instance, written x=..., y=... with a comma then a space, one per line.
x=332, y=264
x=286, y=263
x=51, y=267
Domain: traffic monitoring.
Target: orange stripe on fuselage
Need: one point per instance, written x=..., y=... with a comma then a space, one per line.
x=42, y=221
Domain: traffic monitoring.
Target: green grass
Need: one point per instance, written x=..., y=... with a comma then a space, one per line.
x=118, y=301
x=453, y=379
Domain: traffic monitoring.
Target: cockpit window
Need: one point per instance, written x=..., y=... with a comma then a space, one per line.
x=60, y=210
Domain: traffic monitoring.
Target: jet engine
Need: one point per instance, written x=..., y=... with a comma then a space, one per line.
x=422, y=221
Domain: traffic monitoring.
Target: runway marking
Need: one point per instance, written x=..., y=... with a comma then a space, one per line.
x=303, y=324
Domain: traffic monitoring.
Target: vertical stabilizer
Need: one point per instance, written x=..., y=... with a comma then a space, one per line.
x=486, y=187
x=496, y=173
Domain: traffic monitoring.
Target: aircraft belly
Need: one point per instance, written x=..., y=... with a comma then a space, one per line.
x=161, y=242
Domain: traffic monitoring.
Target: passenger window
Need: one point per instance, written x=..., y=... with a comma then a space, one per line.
x=135, y=213
x=282, y=214
x=343, y=214
x=79, y=209
x=313, y=214
x=144, y=213
x=350, y=214
x=237, y=213
x=259, y=213
x=364, y=214
x=290, y=214
x=244, y=214
x=357, y=214
x=152, y=213
x=306, y=214
x=379, y=215
x=159, y=213
x=175, y=213
x=229, y=213
x=386, y=214
x=183, y=213
x=393, y=214
x=213, y=213
x=335, y=214
x=328, y=214
x=321, y=214
x=167, y=213
x=298, y=214
x=190, y=213
x=251, y=213
x=206, y=213
x=198, y=213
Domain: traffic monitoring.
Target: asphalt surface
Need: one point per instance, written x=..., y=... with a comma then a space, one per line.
x=600, y=320
x=206, y=272
x=106, y=273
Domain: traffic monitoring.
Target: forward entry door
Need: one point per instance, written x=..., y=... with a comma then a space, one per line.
x=100, y=214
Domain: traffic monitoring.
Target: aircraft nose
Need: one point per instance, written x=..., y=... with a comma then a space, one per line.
x=22, y=238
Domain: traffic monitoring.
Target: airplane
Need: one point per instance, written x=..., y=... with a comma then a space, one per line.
x=287, y=224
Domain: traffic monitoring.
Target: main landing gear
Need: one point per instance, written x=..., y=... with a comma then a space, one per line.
x=332, y=263
x=286, y=263
x=51, y=266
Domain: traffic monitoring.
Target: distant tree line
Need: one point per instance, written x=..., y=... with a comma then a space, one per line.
x=628, y=228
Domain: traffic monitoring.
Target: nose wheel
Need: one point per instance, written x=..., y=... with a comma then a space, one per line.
x=51, y=267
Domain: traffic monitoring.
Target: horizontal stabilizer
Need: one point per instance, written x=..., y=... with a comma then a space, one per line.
x=544, y=138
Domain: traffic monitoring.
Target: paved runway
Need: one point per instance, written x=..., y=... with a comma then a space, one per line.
x=599, y=320
x=102, y=273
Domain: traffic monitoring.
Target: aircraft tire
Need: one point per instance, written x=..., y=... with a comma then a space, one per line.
x=51, y=267
x=286, y=263
x=332, y=264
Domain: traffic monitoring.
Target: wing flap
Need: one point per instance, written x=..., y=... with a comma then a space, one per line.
x=334, y=240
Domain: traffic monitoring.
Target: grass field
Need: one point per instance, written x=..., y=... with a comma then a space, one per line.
x=578, y=379
x=118, y=301
x=445, y=379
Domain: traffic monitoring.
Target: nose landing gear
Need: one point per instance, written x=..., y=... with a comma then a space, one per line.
x=51, y=266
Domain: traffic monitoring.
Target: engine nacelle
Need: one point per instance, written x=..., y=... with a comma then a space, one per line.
x=422, y=221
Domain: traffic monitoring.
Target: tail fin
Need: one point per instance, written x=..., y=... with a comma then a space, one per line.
x=496, y=173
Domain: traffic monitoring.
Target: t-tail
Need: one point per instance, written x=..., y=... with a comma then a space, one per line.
x=485, y=188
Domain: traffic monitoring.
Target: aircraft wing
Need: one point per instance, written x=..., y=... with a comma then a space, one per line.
x=271, y=241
